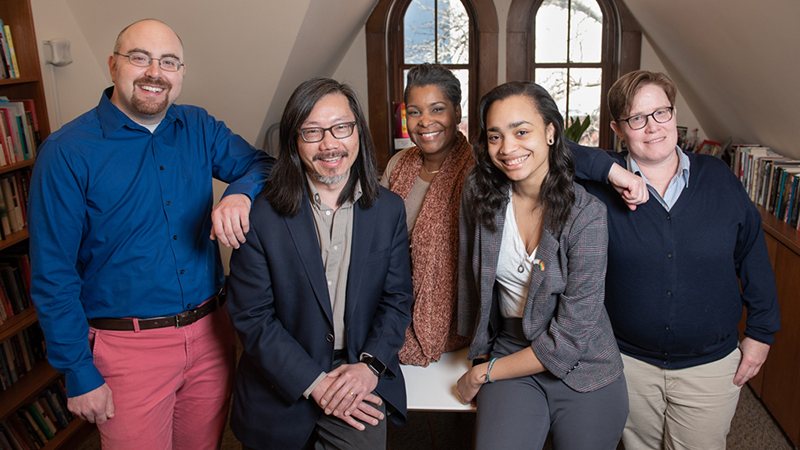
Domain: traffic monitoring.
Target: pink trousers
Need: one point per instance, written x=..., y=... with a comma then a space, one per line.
x=171, y=387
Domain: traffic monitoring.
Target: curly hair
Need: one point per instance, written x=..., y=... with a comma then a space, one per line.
x=486, y=189
x=287, y=182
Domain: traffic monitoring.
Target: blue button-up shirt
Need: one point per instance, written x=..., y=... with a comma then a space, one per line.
x=119, y=222
x=677, y=184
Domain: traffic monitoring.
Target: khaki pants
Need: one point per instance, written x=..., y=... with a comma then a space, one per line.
x=687, y=408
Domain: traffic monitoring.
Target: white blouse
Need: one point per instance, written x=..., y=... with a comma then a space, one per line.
x=514, y=267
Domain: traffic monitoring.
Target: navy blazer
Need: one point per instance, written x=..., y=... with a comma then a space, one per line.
x=564, y=317
x=278, y=301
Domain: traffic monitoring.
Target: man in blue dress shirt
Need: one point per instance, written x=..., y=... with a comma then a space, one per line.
x=126, y=272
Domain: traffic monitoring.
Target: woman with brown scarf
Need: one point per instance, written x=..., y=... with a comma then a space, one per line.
x=429, y=177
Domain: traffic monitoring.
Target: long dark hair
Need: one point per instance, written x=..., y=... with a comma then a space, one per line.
x=487, y=186
x=287, y=182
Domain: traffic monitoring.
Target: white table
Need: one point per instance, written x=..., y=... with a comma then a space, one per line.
x=433, y=388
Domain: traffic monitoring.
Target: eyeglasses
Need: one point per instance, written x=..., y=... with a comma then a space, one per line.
x=339, y=131
x=661, y=115
x=167, y=63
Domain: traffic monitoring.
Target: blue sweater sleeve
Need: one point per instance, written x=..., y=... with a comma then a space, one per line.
x=759, y=292
x=590, y=163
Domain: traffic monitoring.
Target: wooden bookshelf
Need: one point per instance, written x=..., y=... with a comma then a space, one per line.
x=27, y=388
x=778, y=382
x=17, y=323
x=18, y=16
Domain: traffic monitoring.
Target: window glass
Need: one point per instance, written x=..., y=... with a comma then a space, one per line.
x=574, y=28
x=585, y=32
x=453, y=32
x=419, y=32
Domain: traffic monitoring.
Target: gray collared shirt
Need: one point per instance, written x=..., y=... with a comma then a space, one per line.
x=335, y=236
x=677, y=184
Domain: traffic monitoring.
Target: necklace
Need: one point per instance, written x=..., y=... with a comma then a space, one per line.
x=528, y=249
x=429, y=172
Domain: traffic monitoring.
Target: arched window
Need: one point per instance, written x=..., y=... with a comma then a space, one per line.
x=575, y=49
x=459, y=34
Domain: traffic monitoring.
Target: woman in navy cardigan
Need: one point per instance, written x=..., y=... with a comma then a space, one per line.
x=532, y=266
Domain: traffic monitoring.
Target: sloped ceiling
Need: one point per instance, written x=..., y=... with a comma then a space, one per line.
x=736, y=62
x=243, y=57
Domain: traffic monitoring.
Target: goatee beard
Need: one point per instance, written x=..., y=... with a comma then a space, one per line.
x=329, y=180
x=148, y=107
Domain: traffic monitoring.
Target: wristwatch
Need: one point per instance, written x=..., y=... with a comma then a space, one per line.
x=374, y=364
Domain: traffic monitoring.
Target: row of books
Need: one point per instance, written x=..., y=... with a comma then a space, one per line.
x=19, y=130
x=19, y=354
x=8, y=55
x=771, y=180
x=14, y=202
x=15, y=282
x=33, y=425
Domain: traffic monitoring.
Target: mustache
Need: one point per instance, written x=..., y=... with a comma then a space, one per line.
x=158, y=82
x=330, y=155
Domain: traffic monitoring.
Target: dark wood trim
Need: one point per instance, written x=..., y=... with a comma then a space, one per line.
x=384, y=52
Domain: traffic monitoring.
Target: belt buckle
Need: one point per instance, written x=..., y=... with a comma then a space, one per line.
x=187, y=315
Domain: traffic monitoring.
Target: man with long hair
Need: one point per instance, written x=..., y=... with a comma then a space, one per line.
x=320, y=293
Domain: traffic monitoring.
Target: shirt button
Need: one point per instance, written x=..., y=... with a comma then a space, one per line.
x=336, y=247
x=669, y=293
x=329, y=337
x=669, y=255
x=665, y=363
x=169, y=202
x=667, y=327
x=329, y=282
x=189, y=305
x=327, y=213
x=182, y=271
x=162, y=167
x=175, y=237
x=668, y=217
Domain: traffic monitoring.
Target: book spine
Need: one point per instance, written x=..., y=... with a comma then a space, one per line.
x=11, y=50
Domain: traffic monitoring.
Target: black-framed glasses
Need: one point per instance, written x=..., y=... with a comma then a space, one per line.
x=661, y=115
x=139, y=59
x=339, y=131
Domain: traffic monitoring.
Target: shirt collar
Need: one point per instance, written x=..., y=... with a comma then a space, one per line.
x=683, y=166
x=112, y=118
x=313, y=194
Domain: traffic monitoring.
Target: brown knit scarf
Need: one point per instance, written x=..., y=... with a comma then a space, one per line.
x=434, y=254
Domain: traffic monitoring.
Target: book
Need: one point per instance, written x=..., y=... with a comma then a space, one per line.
x=39, y=421
x=14, y=216
x=11, y=50
x=6, y=145
x=23, y=431
x=6, y=52
x=9, y=359
x=61, y=418
x=14, y=145
x=9, y=281
x=11, y=434
x=33, y=428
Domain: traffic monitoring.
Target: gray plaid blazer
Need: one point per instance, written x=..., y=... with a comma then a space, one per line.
x=564, y=316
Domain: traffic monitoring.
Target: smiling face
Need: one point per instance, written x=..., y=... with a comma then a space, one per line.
x=432, y=119
x=655, y=143
x=329, y=160
x=145, y=93
x=518, y=140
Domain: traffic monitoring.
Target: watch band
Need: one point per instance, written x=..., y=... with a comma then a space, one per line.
x=377, y=367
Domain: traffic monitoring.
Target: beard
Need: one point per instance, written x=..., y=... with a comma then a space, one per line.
x=149, y=107
x=329, y=155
